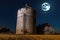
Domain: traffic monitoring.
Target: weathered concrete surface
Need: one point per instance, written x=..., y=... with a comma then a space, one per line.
x=25, y=21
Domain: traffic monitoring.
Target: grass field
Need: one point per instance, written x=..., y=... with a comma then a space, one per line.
x=28, y=37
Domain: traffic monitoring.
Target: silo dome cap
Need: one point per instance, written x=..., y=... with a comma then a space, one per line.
x=26, y=5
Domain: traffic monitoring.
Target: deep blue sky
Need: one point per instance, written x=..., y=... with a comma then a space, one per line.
x=8, y=12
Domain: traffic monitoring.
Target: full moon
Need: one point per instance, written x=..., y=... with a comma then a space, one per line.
x=45, y=6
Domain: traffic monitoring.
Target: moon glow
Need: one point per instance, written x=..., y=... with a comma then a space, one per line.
x=45, y=6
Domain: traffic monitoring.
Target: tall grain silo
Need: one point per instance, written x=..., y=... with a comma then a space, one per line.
x=26, y=21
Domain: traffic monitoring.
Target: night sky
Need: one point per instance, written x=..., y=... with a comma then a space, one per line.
x=8, y=12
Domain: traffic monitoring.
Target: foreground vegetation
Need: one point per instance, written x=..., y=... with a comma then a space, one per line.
x=28, y=37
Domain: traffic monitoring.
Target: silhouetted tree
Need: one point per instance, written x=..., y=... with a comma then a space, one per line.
x=4, y=30
x=40, y=29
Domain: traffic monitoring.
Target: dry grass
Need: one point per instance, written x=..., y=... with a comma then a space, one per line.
x=28, y=37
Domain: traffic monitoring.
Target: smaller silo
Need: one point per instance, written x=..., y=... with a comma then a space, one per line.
x=45, y=28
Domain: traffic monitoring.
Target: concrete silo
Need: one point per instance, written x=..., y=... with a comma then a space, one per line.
x=26, y=21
